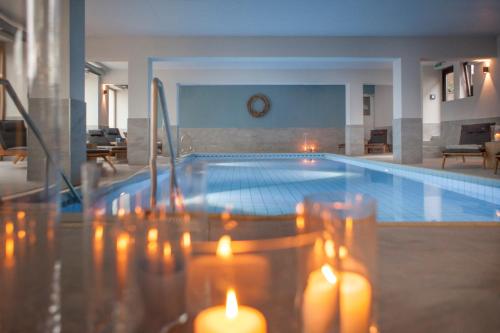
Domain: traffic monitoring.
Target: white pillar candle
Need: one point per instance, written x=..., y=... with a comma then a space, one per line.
x=230, y=318
x=320, y=296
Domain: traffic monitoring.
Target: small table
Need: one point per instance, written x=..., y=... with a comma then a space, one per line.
x=492, y=148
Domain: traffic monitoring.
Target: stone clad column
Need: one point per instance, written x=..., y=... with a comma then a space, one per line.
x=407, y=122
x=139, y=76
x=354, y=129
x=71, y=117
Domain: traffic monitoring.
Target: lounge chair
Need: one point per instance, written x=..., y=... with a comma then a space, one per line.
x=93, y=153
x=97, y=140
x=112, y=134
x=472, y=140
x=378, y=141
x=13, y=139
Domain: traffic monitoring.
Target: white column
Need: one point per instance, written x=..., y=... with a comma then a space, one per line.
x=71, y=102
x=407, y=122
x=354, y=130
x=139, y=77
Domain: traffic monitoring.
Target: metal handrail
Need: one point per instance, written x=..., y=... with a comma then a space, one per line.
x=31, y=124
x=157, y=90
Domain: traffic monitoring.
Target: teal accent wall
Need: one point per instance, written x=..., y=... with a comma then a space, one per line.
x=292, y=106
x=369, y=89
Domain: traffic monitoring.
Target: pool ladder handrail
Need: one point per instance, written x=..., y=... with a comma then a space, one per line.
x=31, y=124
x=158, y=91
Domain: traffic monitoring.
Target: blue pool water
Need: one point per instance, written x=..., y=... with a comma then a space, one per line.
x=273, y=186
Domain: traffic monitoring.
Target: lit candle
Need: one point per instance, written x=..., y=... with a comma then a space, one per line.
x=320, y=296
x=230, y=318
x=355, y=303
x=320, y=299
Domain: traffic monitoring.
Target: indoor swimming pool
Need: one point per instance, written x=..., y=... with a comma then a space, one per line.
x=272, y=184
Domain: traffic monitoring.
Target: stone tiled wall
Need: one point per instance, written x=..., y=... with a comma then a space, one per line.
x=263, y=139
x=138, y=141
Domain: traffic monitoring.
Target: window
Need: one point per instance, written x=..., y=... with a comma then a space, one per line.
x=111, y=108
x=468, y=74
x=366, y=105
x=448, y=84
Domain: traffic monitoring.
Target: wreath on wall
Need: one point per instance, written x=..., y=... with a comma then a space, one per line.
x=266, y=105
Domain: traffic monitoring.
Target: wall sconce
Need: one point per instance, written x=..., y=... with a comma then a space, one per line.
x=486, y=69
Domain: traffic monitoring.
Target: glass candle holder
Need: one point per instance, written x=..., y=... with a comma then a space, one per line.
x=351, y=220
x=135, y=272
x=247, y=274
x=30, y=269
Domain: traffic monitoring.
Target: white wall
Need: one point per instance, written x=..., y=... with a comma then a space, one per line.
x=118, y=77
x=486, y=100
x=431, y=85
x=172, y=78
x=381, y=115
x=383, y=111
x=92, y=100
x=122, y=109
x=16, y=74
x=139, y=51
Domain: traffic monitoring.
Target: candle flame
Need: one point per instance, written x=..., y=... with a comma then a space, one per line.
x=9, y=228
x=121, y=213
x=231, y=304
x=9, y=252
x=21, y=215
x=300, y=222
x=21, y=234
x=299, y=209
x=343, y=252
x=167, y=250
x=138, y=211
x=225, y=216
x=122, y=242
x=186, y=240
x=348, y=224
x=328, y=273
x=98, y=232
x=330, y=248
x=152, y=235
x=224, y=247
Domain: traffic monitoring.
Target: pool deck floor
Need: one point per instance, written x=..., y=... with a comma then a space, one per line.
x=472, y=167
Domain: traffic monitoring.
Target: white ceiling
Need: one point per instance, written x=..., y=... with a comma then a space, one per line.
x=293, y=17
x=285, y=17
x=276, y=63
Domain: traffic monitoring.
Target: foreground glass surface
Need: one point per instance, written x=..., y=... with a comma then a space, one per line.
x=134, y=273
x=30, y=269
x=351, y=219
